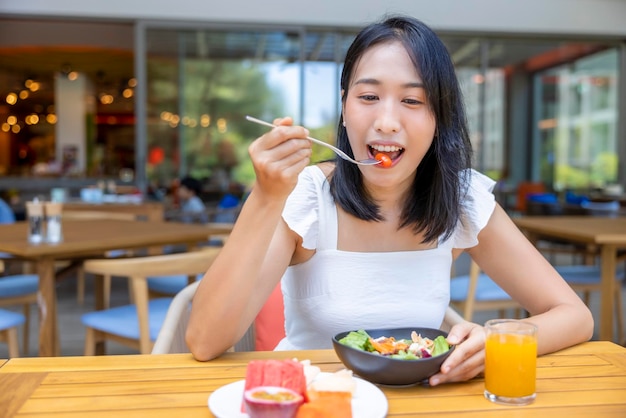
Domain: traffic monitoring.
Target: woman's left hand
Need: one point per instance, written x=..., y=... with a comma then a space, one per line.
x=468, y=358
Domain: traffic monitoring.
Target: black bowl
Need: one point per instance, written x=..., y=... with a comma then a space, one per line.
x=389, y=371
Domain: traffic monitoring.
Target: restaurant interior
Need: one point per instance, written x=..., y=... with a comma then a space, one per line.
x=91, y=101
x=124, y=166
x=111, y=111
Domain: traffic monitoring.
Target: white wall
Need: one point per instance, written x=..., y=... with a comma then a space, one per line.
x=586, y=17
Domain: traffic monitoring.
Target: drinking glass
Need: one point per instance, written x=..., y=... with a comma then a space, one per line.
x=510, y=361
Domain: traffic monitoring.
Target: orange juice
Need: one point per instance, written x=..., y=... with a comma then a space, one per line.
x=510, y=364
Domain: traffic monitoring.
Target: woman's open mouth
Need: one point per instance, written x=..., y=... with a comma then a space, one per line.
x=391, y=151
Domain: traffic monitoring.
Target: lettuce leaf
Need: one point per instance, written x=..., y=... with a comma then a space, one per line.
x=357, y=339
x=440, y=346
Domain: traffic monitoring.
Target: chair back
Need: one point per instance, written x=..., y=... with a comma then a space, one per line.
x=476, y=291
x=171, y=338
x=6, y=213
x=524, y=189
x=138, y=269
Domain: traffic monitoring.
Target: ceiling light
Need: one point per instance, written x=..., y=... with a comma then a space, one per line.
x=11, y=98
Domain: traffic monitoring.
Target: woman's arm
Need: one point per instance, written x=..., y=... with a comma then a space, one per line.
x=506, y=256
x=513, y=262
x=258, y=250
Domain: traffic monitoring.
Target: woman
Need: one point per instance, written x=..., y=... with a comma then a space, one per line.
x=372, y=247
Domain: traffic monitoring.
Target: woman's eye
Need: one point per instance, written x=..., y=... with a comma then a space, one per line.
x=413, y=101
x=368, y=97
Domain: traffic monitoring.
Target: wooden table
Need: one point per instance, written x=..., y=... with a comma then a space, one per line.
x=586, y=380
x=149, y=211
x=83, y=239
x=608, y=234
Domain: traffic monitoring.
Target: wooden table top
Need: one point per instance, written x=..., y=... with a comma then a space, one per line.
x=98, y=235
x=586, y=380
x=591, y=229
x=152, y=211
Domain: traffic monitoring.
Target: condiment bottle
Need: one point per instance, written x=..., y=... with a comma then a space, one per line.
x=54, y=230
x=34, y=213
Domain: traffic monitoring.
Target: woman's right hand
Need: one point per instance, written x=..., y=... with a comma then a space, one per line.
x=278, y=158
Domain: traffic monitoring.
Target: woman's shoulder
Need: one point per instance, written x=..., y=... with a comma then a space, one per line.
x=320, y=172
x=306, y=203
x=477, y=205
x=477, y=180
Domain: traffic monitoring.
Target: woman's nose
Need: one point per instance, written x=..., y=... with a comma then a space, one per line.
x=387, y=120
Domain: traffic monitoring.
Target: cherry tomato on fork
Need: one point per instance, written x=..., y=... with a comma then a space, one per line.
x=384, y=159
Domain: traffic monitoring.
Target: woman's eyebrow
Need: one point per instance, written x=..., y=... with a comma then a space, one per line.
x=367, y=81
x=373, y=81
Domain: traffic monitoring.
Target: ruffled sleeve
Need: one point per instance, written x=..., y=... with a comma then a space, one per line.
x=301, y=212
x=476, y=209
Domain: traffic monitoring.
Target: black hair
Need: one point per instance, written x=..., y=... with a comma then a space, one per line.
x=192, y=184
x=433, y=204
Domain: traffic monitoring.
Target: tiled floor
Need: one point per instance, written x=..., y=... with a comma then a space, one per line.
x=72, y=332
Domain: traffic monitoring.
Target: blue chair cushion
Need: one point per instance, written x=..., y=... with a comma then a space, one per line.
x=582, y=274
x=169, y=285
x=6, y=213
x=486, y=289
x=543, y=198
x=608, y=206
x=10, y=319
x=122, y=320
x=18, y=285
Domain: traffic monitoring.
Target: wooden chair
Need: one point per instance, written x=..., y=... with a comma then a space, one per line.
x=171, y=338
x=524, y=189
x=17, y=289
x=477, y=292
x=20, y=289
x=86, y=215
x=9, y=321
x=137, y=325
x=171, y=285
x=585, y=279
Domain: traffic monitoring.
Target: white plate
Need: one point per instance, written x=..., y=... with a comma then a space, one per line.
x=367, y=402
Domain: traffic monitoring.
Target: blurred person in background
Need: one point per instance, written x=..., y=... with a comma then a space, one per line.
x=191, y=206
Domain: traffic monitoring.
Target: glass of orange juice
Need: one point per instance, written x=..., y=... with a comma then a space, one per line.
x=510, y=361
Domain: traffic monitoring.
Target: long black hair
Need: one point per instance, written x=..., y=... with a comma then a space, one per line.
x=433, y=204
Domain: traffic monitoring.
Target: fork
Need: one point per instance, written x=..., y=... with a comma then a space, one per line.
x=340, y=153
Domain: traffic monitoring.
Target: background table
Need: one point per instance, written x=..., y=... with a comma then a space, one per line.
x=607, y=234
x=586, y=380
x=89, y=238
x=149, y=211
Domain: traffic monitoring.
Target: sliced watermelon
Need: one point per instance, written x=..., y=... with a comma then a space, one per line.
x=293, y=377
x=284, y=373
x=254, y=374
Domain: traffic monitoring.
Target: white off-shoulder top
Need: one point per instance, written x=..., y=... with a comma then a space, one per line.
x=337, y=291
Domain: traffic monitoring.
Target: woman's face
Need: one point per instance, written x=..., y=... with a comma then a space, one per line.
x=385, y=110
